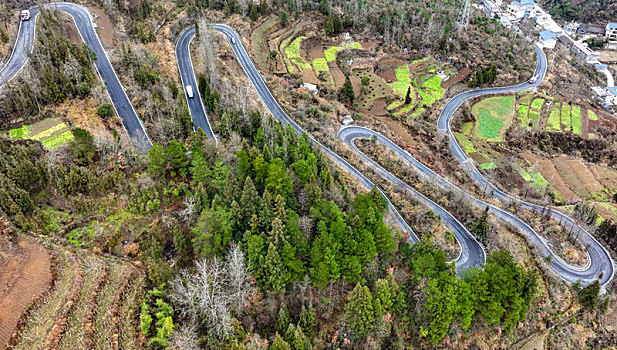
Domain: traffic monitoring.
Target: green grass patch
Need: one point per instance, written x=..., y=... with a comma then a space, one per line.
x=465, y=143
x=493, y=115
x=420, y=60
x=608, y=206
x=552, y=123
x=537, y=103
x=525, y=99
x=490, y=165
x=534, y=118
x=591, y=115
x=321, y=65
x=575, y=117
x=330, y=53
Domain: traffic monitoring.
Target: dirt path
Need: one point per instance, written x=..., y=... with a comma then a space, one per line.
x=25, y=274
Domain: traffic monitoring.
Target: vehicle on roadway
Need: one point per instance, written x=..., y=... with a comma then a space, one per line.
x=189, y=91
x=233, y=40
x=533, y=79
x=25, y=15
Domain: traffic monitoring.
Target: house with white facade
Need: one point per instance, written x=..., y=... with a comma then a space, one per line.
x=491, y=9
x=549, y=40
x=528, y=5
x=515, y=11
x=611, y=35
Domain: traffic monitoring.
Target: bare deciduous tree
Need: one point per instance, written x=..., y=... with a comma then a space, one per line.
x=209, y=295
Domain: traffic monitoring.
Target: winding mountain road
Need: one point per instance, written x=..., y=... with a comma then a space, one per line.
x=600, y=265
x=85, y=25
x=187, y=75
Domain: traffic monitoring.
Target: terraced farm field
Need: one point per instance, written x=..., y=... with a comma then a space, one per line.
x=90, y=306
x=493, y=116
x=573, y=179
x=51, y=132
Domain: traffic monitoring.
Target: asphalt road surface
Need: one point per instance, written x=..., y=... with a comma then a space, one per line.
x=185, y=66
x=83, y=21
x=600, y=265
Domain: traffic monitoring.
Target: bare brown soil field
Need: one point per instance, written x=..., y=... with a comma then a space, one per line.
x=386, y=66
x=259, y=43
x=461, y=75
x=25, y=274
x=308, y=76
x=606, y=213
x=314, y=51
x=369, y=45
x=378, y=108
x=569, y=177
x=585, y=176
x=337, y=74
x=104, y=27
x=606, y=177
x=355, y=82
x=548, y=171
x=71, y=31
x=399, y=131
x=584, y=123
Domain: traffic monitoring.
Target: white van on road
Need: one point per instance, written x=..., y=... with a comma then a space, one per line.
x=189, y=91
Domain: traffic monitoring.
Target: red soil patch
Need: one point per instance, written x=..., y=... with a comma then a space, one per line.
x=388, y=75
x=385, y=68
x=337, y=75
x=309, y=77
x=25, y=274
x=462, y=74
x=104, y=27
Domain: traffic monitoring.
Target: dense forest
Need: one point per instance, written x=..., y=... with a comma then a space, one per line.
x=591, y=11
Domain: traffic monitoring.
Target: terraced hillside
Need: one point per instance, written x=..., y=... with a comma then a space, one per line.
x=91, y=305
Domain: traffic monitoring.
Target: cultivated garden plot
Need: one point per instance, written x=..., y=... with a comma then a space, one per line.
x=51, y=132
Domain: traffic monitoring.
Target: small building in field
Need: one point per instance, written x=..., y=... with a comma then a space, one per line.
x=549, y=40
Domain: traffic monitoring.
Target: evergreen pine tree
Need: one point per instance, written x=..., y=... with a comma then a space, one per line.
x=359, y=313
x=274, y=271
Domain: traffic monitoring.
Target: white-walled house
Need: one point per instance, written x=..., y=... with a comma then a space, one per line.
x=549, y=40
x=516, y=11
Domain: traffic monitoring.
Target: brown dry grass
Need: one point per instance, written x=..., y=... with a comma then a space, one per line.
x=104, y=27
x=549, y=172
x=82, y=114
x=164, y=50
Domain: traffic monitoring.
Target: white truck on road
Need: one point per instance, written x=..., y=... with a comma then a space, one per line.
x=533, y=79
x=189, y=91
x=25, y=15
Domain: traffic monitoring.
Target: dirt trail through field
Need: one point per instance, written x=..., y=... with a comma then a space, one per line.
x=25, y=274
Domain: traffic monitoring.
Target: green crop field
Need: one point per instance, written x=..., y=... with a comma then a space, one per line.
x=292, y=52
x=525, y=99
x=420, y=60
x=353, y=45
x=402, y=83
x=433, y=91
x=552, y=123
x=537, y=103
x=330, y=53
x=51, y=132
x=321, y=65
x=534, y=118
x=522, y=116
x=565, y=116
x=591, y=115
x=488, y=165
x=493, y=115
x=576, y=120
